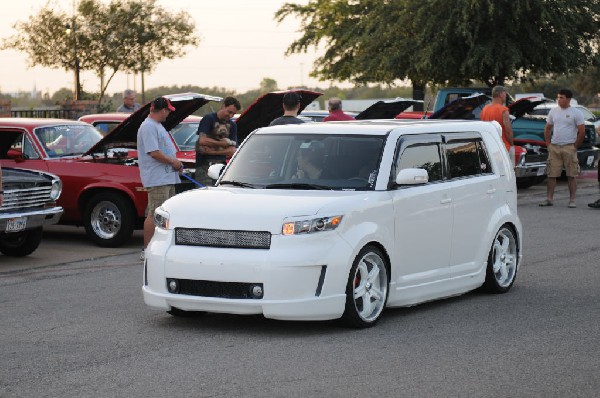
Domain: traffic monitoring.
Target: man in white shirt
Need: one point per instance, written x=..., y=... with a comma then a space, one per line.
x=564, y=133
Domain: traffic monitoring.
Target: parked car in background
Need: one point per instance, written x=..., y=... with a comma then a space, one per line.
x=391, y=214
x=184, y=134
x=102, y=190
x=29, y=204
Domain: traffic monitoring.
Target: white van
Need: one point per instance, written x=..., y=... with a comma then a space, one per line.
x=341, y=220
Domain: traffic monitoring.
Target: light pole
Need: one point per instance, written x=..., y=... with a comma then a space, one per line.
x=70, y=30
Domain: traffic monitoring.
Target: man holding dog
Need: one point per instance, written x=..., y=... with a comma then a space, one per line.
x=217, y=139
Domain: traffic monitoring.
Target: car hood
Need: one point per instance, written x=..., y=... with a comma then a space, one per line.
x=125, y=134
x=461, y=108
x=267, y=108
x=245, y=209
x=387, y=109
x=526, y=105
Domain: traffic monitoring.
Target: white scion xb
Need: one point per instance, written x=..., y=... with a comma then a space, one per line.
x=341, y=220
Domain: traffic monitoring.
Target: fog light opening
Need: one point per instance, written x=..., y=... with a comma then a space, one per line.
x=256, y=291
x=173, y=286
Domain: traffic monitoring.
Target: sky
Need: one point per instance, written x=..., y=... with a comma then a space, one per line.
x=240, y=44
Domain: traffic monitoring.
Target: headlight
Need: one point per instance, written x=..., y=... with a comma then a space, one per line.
x=55, y=190
x=161, y=218
x=313, y=225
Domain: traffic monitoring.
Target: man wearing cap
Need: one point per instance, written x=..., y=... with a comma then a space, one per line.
x=217, y=139
x=291, y=107
x=499, y=112
x=335, y=111
x=159, y=168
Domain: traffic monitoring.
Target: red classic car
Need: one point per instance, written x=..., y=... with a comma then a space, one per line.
x=101, y=181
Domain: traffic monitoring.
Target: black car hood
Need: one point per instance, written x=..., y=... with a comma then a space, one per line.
x=461, y=108
x=387, y=109
x=125, y=134
x=267, y=108
x=525, y=105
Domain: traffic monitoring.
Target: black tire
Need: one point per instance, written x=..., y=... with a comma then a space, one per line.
x=368, y=283
x=21, y=243
x=109, y=219
x=502, y=262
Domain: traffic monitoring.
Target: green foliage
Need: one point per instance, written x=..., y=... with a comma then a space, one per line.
x=128, y=36
x=446, y=42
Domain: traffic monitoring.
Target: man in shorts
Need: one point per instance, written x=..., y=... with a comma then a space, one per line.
x=159, y=168
x=564, y=133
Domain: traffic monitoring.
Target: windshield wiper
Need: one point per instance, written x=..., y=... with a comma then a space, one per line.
x=298, y=185
x=237, y=184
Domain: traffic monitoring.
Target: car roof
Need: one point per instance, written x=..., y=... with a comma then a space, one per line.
x=36, y=122
x=375, y=127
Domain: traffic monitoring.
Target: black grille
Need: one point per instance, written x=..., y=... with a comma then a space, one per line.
x=222, y=238
x=229, y=290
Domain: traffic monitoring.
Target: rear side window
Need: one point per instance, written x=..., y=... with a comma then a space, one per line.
x=467, y=157
x=422, y=156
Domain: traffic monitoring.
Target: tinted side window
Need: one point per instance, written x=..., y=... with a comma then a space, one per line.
x=467, y=158
x=422, y=156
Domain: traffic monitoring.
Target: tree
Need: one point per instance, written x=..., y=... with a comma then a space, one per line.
x=446, y=42
x=268, y=85
x=129, y=36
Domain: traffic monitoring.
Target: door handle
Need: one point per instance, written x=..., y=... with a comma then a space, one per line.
x=445, y=200
x=491, y=191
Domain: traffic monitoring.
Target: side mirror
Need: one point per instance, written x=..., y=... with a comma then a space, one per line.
x=412, y=177
x=215, y=170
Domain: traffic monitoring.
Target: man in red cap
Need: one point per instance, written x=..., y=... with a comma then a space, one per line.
x=159, y=168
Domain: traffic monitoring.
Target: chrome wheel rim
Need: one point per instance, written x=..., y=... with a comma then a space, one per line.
x=370, y=287
x=504, y=257
x=106, y=220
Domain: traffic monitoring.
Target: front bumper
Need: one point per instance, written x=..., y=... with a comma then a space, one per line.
x=34, y=219
x=531, y=170
x=302, y=277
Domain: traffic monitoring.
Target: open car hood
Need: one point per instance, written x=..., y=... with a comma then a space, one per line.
x=125, y=134
x=525, y=105
x=267, y=108
x=461, y=108
x=387, y=109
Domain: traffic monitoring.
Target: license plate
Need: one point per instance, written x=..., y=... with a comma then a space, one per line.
x=590, y=160
x=16, y=224
x=541, y=171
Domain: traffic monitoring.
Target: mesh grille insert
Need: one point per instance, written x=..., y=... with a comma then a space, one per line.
x=222, y=238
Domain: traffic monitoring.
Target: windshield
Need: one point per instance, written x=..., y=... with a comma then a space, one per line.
x=185, y=135
x=67, y=139
x=301, y=161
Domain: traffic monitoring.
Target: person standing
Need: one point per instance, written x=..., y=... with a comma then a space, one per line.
x=159, y=168
x=291, y=107
x=499, y=112
x=217, y=139
x=129, y=105
x=564, y=133
x=335, y=111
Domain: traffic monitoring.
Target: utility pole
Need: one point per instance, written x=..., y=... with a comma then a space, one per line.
x=71, y=31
